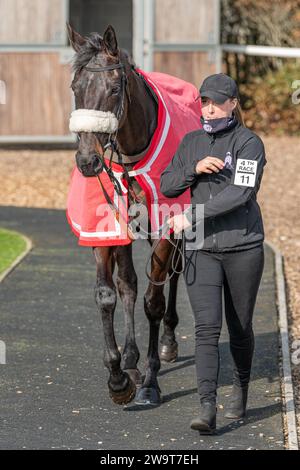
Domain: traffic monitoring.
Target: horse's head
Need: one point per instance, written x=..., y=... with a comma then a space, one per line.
x=101, y=95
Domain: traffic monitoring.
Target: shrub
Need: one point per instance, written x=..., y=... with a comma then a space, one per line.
x=268, y=105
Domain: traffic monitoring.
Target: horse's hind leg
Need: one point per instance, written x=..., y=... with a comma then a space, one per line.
x=121, y=387
x=127, y=287
x=169, y=348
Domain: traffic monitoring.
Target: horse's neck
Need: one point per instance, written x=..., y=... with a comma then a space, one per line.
x=141, y=121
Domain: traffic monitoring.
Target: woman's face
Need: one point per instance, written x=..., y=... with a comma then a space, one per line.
x=213, y=110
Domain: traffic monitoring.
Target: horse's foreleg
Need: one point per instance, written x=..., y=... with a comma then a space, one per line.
x=154, y=304
x=121, y=387
x=127, y=287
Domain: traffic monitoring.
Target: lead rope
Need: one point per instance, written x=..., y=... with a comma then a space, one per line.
x=171, y=258
x=164, y=229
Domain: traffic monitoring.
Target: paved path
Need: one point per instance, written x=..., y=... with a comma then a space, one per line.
x=53, y=387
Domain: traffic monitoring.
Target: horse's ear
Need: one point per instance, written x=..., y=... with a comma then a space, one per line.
x=110, y=40
x=76, y=40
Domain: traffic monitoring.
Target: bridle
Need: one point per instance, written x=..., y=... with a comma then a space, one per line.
x=124, y=83
x=113, y=145
x=112, y=139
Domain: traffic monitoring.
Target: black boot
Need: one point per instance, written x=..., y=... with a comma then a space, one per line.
x=205, y=422
x=238, y=401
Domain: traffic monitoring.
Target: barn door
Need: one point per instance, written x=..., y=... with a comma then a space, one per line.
x=94, y=15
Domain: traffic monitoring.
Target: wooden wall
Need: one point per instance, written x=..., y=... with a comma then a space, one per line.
x=190, y=66
x=32, y=22
x=185, y=21
x=38, y=94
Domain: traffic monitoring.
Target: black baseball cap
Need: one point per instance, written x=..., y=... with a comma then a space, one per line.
x=219, y=87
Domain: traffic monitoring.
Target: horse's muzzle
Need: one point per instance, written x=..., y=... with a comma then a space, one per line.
x=89, y=166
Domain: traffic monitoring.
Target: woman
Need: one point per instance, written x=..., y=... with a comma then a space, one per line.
x=222, y=164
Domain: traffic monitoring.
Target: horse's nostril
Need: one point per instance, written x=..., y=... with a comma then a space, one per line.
x=89, y=164
x=95, y=159
x=97, y=164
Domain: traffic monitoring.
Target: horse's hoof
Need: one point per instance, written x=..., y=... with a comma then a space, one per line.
x=122, y=397
x=148, y=396
x=135, y=376
x=169, y=353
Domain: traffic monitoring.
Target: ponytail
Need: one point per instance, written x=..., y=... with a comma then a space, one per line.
x=239, y=113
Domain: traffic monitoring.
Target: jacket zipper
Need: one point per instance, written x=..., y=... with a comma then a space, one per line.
x=210, y=197
x=247, y=223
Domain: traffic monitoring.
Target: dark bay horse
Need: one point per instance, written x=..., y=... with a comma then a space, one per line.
x=105, y=80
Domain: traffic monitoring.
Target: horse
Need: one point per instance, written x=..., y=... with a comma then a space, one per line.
x=105, y=77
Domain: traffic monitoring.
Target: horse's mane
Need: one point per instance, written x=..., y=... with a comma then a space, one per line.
x=93, y=45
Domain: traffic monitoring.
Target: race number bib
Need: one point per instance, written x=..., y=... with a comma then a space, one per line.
x=245, y=172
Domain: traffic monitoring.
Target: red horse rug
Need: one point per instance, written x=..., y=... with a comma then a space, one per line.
x=90, y=217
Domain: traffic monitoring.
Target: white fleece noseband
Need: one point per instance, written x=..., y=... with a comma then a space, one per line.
x=91, y=120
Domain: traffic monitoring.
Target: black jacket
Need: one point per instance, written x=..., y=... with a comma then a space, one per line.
x=232, y=218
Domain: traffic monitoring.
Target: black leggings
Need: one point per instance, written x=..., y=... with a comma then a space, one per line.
x=205, y=274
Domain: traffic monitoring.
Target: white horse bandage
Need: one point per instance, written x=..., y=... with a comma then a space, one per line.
x=91, y=120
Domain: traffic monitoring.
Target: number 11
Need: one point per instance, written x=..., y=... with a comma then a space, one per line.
x=243, y=177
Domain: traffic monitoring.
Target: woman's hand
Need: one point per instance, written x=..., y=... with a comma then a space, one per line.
x=178, y=223
x=209, y=165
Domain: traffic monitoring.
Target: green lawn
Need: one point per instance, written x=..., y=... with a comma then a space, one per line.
x=11, y=246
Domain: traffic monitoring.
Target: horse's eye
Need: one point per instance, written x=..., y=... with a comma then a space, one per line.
x=115, y=90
